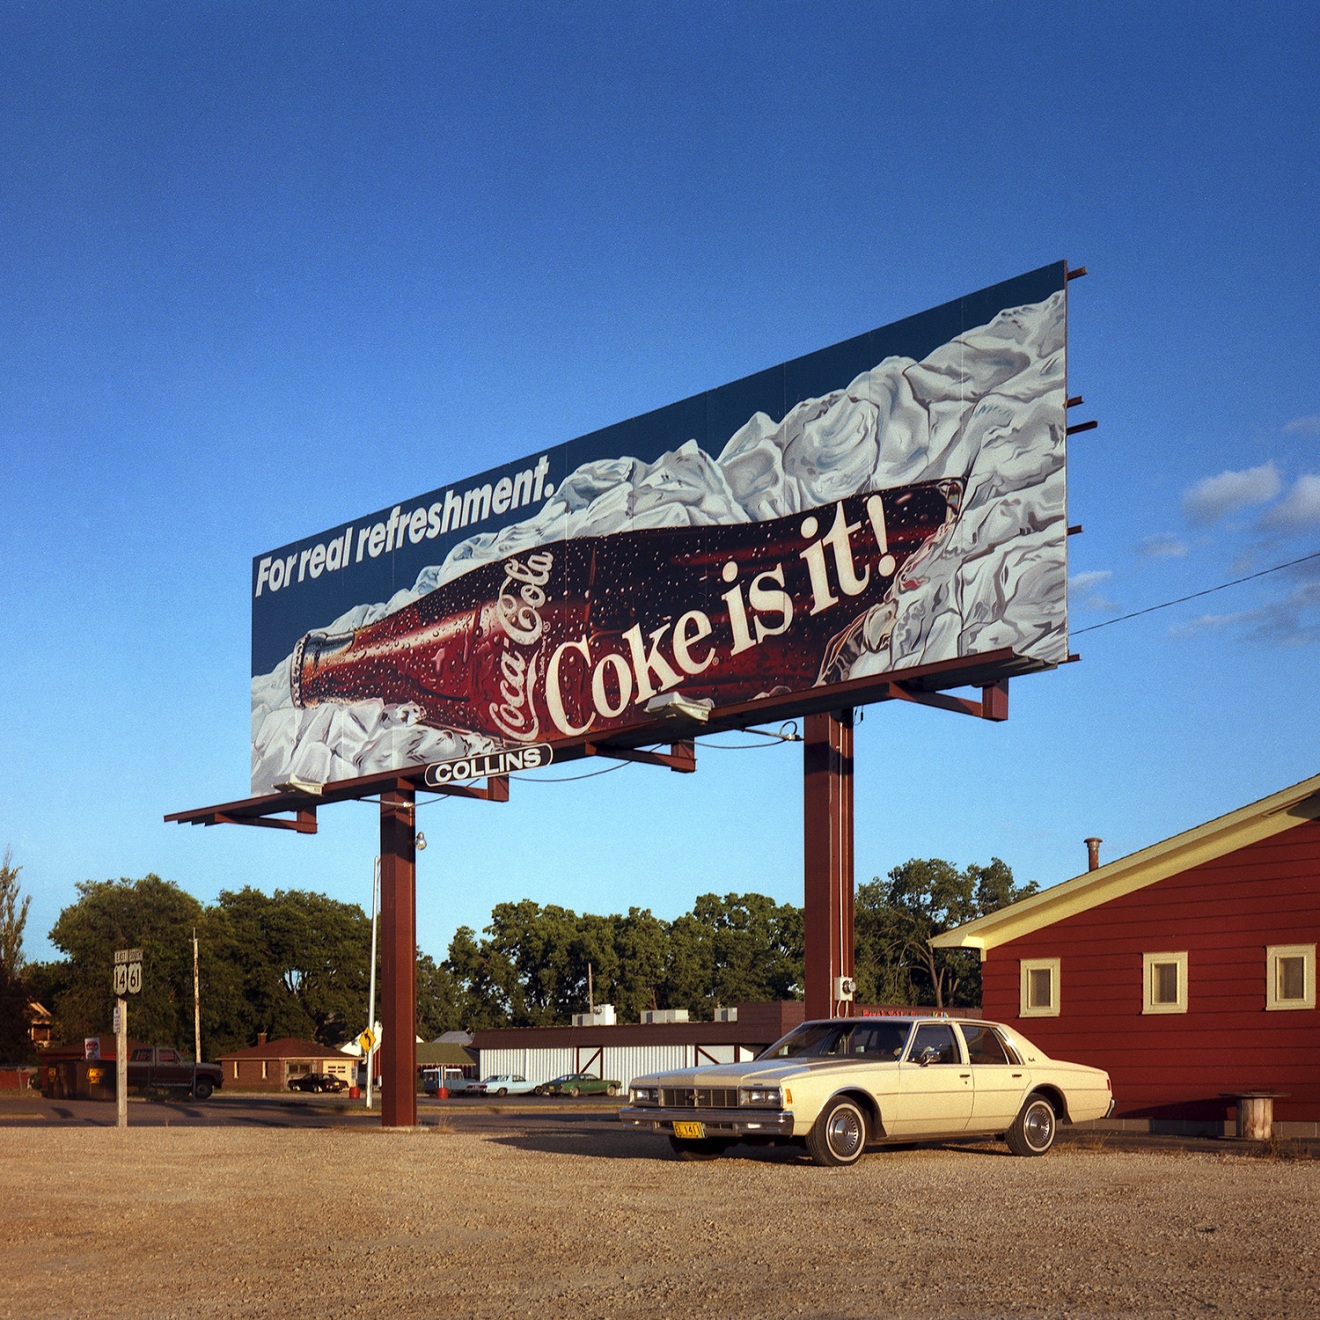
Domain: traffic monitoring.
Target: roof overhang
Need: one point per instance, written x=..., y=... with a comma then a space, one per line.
x=1261, y=820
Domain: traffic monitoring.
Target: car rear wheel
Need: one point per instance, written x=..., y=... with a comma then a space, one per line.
x=503, y=1090
x=575, y=1091
x=838, y=1136
x=707, y=1148
x=1034, y=1128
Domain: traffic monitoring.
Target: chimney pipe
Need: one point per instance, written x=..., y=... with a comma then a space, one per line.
x=1092, y=853
x=261, y=1038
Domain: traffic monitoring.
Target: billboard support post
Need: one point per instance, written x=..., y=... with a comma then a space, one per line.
x=398, y=956
x=827, y=836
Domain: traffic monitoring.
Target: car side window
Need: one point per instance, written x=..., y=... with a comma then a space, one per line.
x=937, y=1037
x=882, y=1041
x=984, y=1045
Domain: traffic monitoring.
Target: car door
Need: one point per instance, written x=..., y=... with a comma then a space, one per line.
x=934, y=1098
x=998, y=1078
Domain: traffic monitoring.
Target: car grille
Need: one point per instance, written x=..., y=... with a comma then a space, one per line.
x=699, y=1097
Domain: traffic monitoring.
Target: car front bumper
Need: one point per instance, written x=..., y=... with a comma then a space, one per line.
x=716, y=1122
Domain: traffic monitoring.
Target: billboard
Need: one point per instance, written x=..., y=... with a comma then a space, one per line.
x=892, y=501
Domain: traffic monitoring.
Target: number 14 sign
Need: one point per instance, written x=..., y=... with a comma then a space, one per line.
x=128, y=972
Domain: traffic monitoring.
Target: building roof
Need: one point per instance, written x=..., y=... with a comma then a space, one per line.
x=289, y=1047
x=1225, y=834
x=436, y=1054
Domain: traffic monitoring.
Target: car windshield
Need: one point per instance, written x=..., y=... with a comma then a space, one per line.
x=870, y=1039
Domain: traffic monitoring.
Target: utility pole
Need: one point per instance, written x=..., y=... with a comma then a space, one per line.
x=197, y=1006
x=371, y=994
x=121, y=1062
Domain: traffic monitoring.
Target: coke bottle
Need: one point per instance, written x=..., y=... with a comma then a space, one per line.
x=576, y=636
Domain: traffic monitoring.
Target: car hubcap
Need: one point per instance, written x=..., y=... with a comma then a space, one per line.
x=1039, y=1125
x=845, y=1133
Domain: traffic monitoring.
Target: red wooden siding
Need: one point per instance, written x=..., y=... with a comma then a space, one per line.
x=1223, y=914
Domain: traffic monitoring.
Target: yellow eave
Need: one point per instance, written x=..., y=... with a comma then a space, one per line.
x=1225, y=834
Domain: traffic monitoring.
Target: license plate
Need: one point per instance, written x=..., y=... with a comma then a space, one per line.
x=690, y=1131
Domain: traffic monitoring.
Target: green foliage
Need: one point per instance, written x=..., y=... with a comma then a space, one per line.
x=152, y=914
x=895, y=920
x=530, y=968
x=13, y=918
x=297, y=964
x=15, y=1044
x=289, y=964
x=294, y=964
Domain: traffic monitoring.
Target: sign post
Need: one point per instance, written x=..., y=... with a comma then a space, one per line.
x=127, y=980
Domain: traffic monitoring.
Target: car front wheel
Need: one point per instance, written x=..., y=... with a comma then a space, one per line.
x=611, y=1090
x=1034, y=1128
x=202, y=1089
x=838, y=1136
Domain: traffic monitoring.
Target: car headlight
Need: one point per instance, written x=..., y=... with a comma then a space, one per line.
x=767, y=1096
x=645, y=1095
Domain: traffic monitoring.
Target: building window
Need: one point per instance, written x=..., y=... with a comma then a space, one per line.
x=264, y=1073
x=1290, y=976
x=1040, y=987
x=1165, y=976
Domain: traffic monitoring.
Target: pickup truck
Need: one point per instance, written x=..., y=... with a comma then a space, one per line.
x=157, y=1067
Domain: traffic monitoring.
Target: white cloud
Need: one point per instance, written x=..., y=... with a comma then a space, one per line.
x=1302, y=426
x=1299, y=510
x=1292, y=620
x=1089, y=581
x=1211, y=498
x=1163, y=545
x=1082, y=591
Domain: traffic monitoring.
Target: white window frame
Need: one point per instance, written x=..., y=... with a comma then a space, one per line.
x=1149, y=961
x=1029, y=965
x=1274, y=955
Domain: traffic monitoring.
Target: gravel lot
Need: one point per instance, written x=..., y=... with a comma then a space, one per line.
x=190, y=1221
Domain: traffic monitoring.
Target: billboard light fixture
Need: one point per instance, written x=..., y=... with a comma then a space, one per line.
x=675, y=707
x=295, y=785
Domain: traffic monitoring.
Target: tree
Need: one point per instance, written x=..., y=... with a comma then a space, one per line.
x=289, y=964
x=896, y=919
x=439, y=999
x=13, y=918
x=15, y=1043
x=152, y=914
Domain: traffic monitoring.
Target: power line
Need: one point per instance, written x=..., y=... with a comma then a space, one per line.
x=1182, y=600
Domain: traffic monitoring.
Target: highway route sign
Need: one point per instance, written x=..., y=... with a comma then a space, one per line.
x=127, y=978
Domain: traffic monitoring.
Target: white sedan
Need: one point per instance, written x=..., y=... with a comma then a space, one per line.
x=838, y=1085
x=502, y=1084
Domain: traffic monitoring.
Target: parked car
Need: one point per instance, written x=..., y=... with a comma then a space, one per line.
x=455, y=1084
x=317, y=1082
x=840, y=1084
x=576, y=1084
x=503, y=1084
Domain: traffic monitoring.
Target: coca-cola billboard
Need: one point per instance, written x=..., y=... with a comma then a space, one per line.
x=894, y=501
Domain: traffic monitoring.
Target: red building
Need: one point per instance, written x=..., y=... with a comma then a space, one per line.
x=1187, y=970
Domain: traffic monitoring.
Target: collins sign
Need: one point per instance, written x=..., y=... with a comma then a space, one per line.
x=897, y=500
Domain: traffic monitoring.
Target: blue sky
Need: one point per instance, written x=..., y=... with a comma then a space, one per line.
x=272, y=266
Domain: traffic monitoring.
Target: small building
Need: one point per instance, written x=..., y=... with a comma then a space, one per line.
x=622, y=1051
x=270, y=1065
x=451, y=1058
x=1187, y=970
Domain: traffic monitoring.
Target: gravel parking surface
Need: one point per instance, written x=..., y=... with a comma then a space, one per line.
x=191, y=1221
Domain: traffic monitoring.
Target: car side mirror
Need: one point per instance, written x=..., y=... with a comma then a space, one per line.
x=928, y=1056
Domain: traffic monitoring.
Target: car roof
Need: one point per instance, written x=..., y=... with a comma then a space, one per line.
x=906, y=1019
